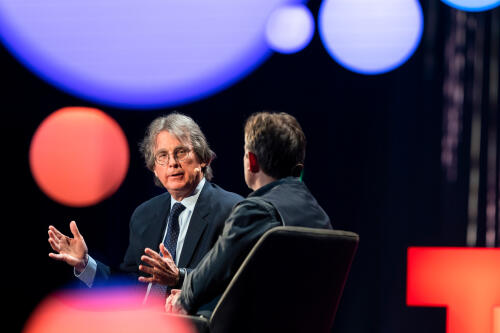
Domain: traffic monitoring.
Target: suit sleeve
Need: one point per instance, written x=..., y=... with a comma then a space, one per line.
x=129, y=263
x=128, y=267
x=102, y=272
x=247, y=222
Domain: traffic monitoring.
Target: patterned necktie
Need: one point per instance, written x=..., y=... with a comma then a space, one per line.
x=170, y=240
x=170, y=243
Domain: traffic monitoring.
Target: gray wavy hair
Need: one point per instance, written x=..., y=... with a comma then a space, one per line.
x=186, y=131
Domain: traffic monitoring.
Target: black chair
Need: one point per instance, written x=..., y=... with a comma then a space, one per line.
x=291, y=281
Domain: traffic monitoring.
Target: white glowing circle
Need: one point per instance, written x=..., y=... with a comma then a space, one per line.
x=472, y=5
x=289, y=28
x=138, y=54
x=370, y=36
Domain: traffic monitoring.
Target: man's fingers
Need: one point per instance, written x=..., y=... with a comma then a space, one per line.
x=165, y=252
x=174, y=292
x=168, y=303
x=153, y=254
x=74, y=229
x=159, y=260
x=72, y=261
x=52, y=236
x=145, y=279
x=56, y=232
x=150, y=261
x=176, y=307
x=146, y=269
x=57, y=256
x=54, y=245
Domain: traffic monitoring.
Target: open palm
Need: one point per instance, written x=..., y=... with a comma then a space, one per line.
x=73, y=251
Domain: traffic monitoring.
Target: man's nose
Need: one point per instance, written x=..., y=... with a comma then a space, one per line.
x=172, y=162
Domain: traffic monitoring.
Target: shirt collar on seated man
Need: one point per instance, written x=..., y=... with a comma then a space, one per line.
x=190, y=201
x=269, y=186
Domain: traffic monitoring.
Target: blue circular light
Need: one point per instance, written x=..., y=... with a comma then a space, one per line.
x=472, y=5
x=138, y=54
x=290, y=28
x=370, y=37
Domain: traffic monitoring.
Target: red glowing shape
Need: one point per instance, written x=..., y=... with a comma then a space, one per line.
x=496, y=325
x=102, y=312
x=79, y=156
x=464, y=280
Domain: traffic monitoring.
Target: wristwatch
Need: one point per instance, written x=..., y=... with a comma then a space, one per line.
x=182, y=275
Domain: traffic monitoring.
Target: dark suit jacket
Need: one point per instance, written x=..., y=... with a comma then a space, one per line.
x=149, y=220
x=284, y=202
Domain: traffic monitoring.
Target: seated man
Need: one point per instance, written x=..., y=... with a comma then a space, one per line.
x=274, y=158
x=187, y=219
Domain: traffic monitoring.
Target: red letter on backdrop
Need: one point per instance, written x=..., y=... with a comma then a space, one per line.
x=464, y=280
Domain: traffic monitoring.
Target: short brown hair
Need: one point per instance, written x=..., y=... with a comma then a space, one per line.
x=278, y=142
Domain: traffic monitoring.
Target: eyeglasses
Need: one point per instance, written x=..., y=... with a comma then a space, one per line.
x=179, y=154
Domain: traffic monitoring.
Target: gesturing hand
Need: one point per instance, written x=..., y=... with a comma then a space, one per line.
x=73, y=251
x=172, y=304
x=162, y=269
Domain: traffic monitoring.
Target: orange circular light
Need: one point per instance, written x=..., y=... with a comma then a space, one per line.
x=79, y=156
x=113, y=311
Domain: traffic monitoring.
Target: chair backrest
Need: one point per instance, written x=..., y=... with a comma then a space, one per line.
x=291, y=281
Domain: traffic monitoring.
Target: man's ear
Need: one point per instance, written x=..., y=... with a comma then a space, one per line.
x=253, y=163
x=202, y=165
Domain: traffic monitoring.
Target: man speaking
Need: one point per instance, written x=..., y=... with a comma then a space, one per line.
x=186, y=220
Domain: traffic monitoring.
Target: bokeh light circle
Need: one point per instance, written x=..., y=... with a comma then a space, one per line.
x=370, y=37
x=138, y=54
x=102, y=311
x=472, y=5
x=79, y=156
x=289, y=28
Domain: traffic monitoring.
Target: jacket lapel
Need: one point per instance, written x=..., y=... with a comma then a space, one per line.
x=197, y=225
x=157, y=227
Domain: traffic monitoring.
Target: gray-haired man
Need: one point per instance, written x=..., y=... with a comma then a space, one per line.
x=177, y=152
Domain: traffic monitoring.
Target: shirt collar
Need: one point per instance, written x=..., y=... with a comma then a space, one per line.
x=268, y=187
x=190, y=202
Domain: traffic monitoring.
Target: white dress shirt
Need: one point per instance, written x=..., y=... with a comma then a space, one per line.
x=88, y=274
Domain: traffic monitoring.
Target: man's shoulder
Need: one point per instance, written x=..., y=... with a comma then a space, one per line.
x=153, y=203
x=251, y=213
x=221, y=195
x=256, y=206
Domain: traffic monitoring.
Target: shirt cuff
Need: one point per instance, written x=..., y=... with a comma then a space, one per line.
x=87, y=276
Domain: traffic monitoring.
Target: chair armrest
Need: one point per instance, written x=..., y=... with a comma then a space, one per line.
x=198, y=322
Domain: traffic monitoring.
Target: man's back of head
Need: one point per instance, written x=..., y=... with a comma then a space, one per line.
x=275, y=147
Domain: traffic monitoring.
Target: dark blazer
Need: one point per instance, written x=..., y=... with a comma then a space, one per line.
x=284, y=202
x=149, y=220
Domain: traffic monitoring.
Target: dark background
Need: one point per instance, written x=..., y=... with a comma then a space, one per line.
x=373, y=162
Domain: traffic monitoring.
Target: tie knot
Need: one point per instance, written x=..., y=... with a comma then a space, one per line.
x=177, y=209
